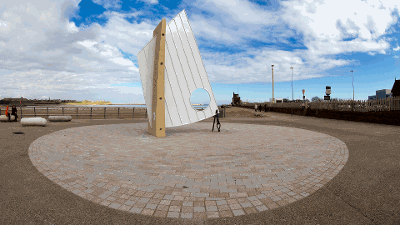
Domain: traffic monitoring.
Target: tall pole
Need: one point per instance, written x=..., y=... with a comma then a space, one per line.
x=292, y=91
x=352, y=82
x=273, y=99
x=352, y=85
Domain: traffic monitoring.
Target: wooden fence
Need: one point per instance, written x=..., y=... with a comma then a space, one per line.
x=84, y=112
x=388, y=104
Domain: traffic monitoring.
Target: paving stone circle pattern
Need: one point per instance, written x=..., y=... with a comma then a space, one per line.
x=192, y=173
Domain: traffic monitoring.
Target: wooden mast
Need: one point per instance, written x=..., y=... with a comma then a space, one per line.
x=157, y=128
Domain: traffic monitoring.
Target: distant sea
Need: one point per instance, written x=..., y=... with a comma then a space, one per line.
x=102, y=106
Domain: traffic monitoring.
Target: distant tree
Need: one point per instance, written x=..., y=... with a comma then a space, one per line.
x=316, y=99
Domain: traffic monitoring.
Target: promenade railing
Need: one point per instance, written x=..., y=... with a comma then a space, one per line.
x=84, y=112
x=81, y=112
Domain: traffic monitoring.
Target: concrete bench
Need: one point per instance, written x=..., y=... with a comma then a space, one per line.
x=5, y=118
x=60, y=118
x=34, y=121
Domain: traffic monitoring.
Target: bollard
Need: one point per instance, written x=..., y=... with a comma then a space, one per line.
x=90, y=112
x=118, y=112
x=76, y=112
x=47, y=112
x=104, y=112
x=21, y=111
x=145, y=116
x=34, y=111
x=133, y=112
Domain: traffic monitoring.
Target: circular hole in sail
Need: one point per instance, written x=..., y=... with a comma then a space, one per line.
x=200, y=99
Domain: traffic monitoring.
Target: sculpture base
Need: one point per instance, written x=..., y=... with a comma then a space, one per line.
x=242, y=166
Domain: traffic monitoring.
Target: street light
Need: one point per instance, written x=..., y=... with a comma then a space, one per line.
x=352, y=85
x=273, y=99
x=352, y=82
x=292, y=91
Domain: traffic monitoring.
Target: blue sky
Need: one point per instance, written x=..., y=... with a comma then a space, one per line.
x=87, y=49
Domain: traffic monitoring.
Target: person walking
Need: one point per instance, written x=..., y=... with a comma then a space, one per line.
x=255, y=107
x=14, y=112
x=265, y=107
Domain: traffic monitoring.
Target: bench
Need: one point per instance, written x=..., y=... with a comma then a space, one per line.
x=5, y=118
x=34, y=121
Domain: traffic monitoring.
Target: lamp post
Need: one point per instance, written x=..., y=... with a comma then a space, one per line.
x=352, y=82
x=291, y=109
x=273, y=100
x=352, y=85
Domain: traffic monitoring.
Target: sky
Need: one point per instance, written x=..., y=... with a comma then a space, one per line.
x=86, y=50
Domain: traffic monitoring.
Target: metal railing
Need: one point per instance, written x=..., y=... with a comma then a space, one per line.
x=80, y=112
x=77, y=112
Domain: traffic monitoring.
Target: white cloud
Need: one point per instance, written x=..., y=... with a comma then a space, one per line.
x=150, y=1
x=242, y=68
x=109, y=4
x=325, y=28
x=128, y=37
x=396, y=49
x=243, y=12
x=41, y=52
x=329, y=23
x=71, y=27
x=87, y=43
x=233, y=22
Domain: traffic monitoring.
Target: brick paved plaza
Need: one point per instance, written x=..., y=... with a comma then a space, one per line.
x=192, y=173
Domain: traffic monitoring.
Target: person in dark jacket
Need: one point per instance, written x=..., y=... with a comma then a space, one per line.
x=14, y=112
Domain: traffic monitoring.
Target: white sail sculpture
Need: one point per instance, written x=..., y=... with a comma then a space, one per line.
x=184, y=72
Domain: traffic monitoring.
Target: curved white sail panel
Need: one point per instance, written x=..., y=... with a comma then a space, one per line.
x=184, y=73
x=146, y=62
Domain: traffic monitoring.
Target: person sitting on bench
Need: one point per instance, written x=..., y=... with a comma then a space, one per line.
x=14, y=113
x=7, y=114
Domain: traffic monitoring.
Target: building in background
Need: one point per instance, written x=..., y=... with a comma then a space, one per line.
x=384, y=93
x=236, y=99
x=277, y=100
x=381, y=94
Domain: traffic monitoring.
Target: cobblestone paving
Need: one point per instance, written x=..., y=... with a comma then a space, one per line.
x=193, y=173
